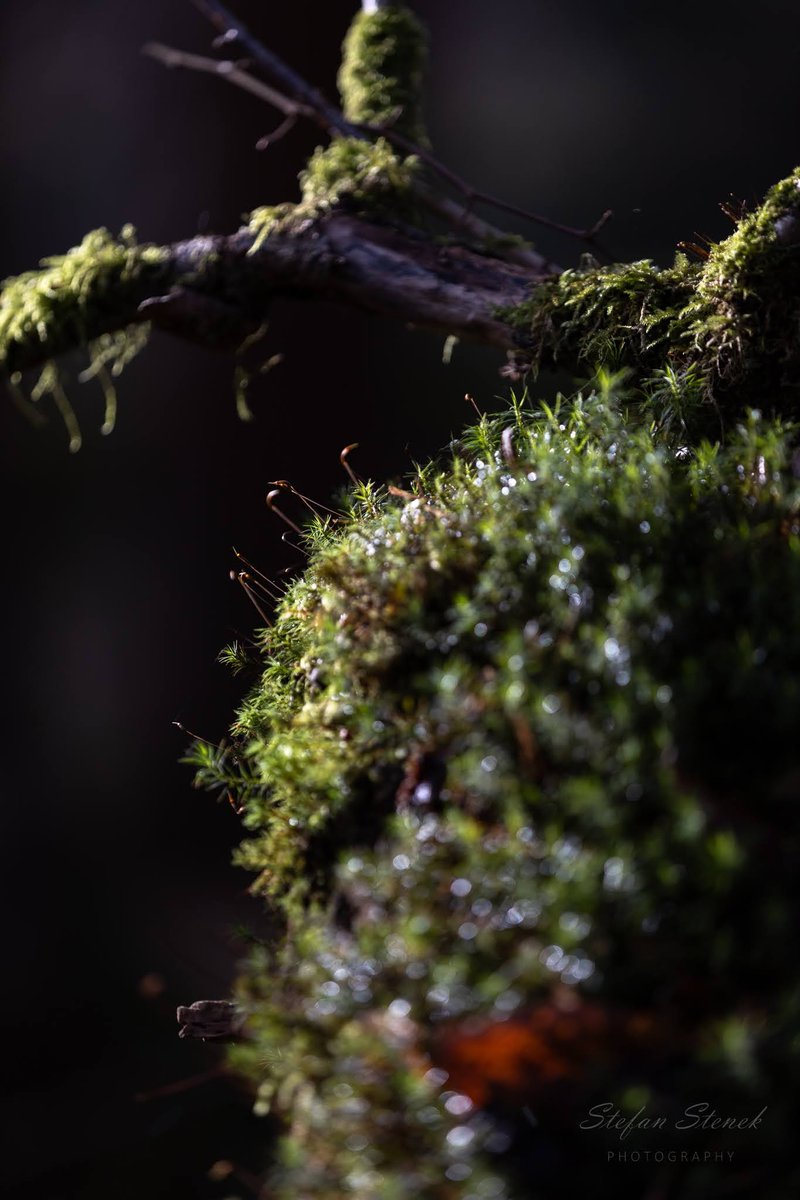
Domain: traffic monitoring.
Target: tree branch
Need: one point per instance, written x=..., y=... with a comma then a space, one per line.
x=362, y=235
x=217, y=290
x=232, y=30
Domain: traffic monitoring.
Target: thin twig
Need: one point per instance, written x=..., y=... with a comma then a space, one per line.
x=269, y=139
x=231, y=73
x=282, y=74
x=473, y=196
x=483, y=232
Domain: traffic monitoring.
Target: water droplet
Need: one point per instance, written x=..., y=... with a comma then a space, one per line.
x=436, y=1077
x=460, y=1137
x=611, y=649
x=423, y=793
x=614, y=874
x=552, y=957
x=507, y=1001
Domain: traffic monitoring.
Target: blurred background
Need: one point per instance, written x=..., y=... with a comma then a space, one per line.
x=119, y=899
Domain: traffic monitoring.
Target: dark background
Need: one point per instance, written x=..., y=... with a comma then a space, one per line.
x=116, y=597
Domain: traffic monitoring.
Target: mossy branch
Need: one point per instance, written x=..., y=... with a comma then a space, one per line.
x=374, y=231
x=217, y=290
x=720, y=323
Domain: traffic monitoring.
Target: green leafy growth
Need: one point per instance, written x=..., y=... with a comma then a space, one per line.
x=47, y=312
x=381, y=77
x=50, y=309
x=522, y=759
x=726, y=327
x=365, y=176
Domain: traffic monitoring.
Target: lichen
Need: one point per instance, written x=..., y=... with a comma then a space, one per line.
x=383, y=62
x=521, y=774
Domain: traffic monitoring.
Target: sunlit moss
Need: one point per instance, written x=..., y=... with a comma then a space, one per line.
x=380, y=82
x=365, y=176
x=44, y=312
x=521, y=775
x=381, y=76
x=728, y=323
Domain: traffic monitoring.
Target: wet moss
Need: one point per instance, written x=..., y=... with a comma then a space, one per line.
x=521, y=773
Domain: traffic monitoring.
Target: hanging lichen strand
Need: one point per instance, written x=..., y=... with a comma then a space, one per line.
x=522, y=774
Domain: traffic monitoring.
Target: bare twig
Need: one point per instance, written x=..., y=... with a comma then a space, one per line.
x=233, y=30
x=231, y=72
x=269, y=139
x=499, y=241
x=473, y=196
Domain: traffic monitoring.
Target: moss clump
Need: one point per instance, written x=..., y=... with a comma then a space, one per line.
x=729, y=324
x=620, y=315
x=368, y=174
x=522, y=775
x=45, y=312
x=380, y=79
x=365, y=176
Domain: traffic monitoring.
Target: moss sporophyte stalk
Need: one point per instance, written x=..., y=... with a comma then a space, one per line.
x=520, y=774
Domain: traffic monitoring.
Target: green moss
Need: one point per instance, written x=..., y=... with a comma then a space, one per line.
x=522, y=774
x=381, y=76
x=44, y=312
x=620, y=315
x=366, y=176
x=728, y=325
x=369, y=174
